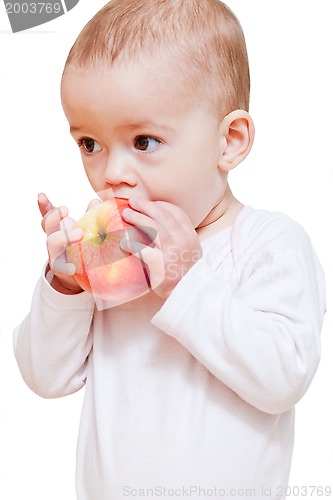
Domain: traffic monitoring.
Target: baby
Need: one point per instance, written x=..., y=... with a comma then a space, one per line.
x=190, y=389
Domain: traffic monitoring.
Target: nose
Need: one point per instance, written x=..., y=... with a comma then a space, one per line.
x=119, y=169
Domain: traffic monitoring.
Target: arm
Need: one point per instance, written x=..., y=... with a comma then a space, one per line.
x=53, y=342
x=257, y=326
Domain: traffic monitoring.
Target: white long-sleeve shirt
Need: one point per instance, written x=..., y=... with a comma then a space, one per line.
x=193, y=396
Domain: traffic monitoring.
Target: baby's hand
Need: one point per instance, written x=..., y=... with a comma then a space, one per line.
x=176, y=246
x=58, y=227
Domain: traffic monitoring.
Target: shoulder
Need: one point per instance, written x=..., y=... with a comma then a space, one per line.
x=258, y=222
x=255, y=228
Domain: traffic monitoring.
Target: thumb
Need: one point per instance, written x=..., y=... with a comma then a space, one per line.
x=93, y=203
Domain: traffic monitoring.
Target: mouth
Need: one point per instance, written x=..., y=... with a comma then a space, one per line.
x=109, y=193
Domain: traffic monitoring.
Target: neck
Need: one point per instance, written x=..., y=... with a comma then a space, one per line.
x=221, y=216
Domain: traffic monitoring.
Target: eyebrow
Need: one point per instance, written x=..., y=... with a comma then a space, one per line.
x=134, y=125
x=74, y=129
x=145, y=123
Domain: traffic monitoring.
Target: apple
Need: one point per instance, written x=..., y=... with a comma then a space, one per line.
x=102, y=267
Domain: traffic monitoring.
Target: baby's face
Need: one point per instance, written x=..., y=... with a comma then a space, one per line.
x=140, y=135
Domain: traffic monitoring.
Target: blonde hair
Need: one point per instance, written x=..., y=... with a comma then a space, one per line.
x=201, y=38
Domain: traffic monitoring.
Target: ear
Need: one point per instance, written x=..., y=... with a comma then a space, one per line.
x=236, y=135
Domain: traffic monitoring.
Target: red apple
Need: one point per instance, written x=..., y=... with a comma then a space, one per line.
x=102, y=267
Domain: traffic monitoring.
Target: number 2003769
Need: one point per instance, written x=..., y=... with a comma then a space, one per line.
x=33, y=8
x=305, y=491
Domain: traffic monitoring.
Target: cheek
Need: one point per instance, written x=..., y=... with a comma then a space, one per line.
x=193, y=200
x=200, y=195
x=92, y=180
x=94, y=176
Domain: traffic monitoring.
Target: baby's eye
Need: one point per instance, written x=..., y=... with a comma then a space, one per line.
x=145, y=143
x=89, y=145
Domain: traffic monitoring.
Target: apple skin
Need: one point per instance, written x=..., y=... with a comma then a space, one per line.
x=102, y=267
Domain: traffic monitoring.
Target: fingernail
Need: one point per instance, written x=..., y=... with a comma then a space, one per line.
x=71, y=269
x=126, y=212
x=41, y=197
x=133, y=202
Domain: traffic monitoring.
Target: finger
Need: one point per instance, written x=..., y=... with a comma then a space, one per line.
x=174, y=210
x=135, y=233
x=151, y=233
x=44, y=204
x=141, y=222
x=62, y=267
x=93, y=203
x=131, y=245
x=58, y=241
x=156, y=209
x=161, y=212
x=52, y=219
x=152, y=260
x=67, y=225
x=173, y=217
x=71, y=234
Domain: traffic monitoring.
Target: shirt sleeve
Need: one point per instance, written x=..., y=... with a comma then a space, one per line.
x=53, y=342
x=254, y=321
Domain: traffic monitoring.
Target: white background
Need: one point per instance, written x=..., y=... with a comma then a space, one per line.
x=290, y=169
